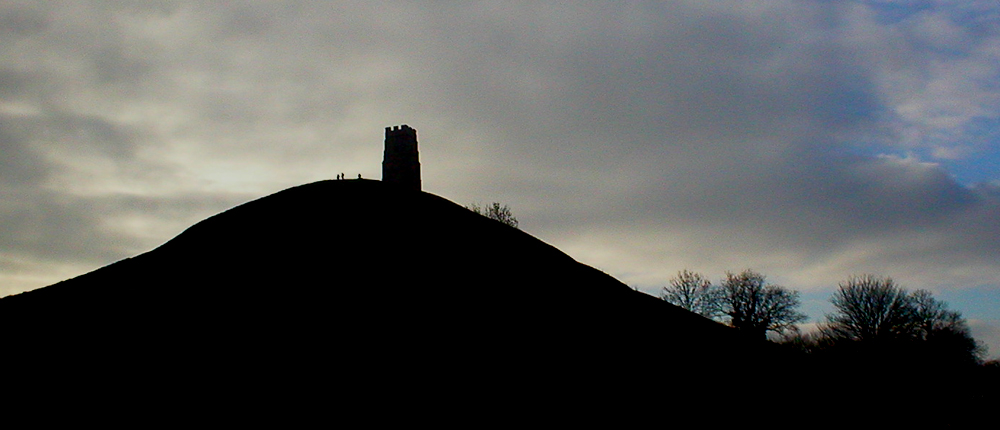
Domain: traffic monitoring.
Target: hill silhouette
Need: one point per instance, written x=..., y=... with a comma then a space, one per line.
x=357, y=287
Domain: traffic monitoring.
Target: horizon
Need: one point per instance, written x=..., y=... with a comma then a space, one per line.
x=809, y=141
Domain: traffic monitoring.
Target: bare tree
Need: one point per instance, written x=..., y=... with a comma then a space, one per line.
x=944, y=333
x=691, y=291
x=869, y=308
x=495, y=211
x=931, y=315
x=875, y=311
x=756, y=307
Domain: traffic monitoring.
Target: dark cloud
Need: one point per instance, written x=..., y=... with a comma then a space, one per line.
x=55, y=230
x=22, y=21
x=16, y=84
x=21, y=167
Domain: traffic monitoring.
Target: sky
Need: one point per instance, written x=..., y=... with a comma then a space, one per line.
x=808, y=140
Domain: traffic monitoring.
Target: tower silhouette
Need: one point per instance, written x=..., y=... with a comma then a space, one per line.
x=401, y=161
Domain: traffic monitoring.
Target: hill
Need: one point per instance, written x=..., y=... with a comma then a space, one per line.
x=358, y=287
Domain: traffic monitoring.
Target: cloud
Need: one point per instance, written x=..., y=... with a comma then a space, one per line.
x=808, y=140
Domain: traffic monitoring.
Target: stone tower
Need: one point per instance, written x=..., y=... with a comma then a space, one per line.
x=401, y=161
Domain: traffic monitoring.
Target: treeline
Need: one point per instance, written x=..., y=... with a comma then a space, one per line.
x=743, y=300
x=873, y=320
x=495, y=211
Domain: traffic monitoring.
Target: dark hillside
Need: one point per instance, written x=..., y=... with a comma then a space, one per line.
x=357, y=287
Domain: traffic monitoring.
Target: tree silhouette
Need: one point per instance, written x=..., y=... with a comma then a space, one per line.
x=869, y=308
x=691, y=291
x=877, y=315
x=495, y=211
x=756, y=307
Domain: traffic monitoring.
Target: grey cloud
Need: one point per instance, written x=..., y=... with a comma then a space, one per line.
x=58, y=228
x=20, y=166
x=16, y=85
x=45, y=132
x=22, y=21
x=746, y=126
x=619, y=92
